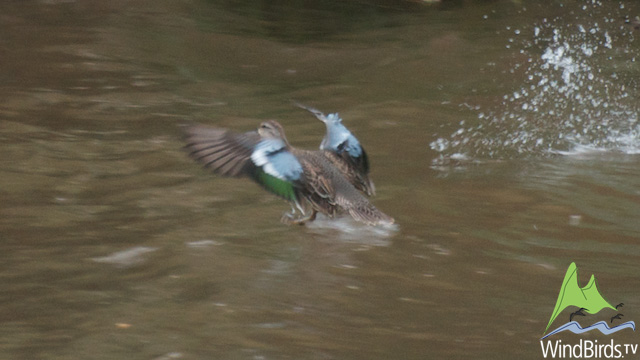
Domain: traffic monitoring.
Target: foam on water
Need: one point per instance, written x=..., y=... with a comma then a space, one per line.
x=348, y=230
x=575, y=94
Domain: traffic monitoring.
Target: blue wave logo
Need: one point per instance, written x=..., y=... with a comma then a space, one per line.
x=575, y=328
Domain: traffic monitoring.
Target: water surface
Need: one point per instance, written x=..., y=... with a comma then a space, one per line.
x=503, y=138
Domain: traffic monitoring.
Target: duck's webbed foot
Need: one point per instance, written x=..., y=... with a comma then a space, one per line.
x=289, y=219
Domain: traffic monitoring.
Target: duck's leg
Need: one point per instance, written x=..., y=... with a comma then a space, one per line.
x=290, y=220
x=309, y=218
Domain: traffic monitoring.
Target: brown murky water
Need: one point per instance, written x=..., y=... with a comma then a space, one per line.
x=114, y=245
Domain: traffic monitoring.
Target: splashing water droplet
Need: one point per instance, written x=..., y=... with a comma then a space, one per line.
x=568, y=99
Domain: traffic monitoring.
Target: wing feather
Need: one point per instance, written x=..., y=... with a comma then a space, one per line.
x=224, y=152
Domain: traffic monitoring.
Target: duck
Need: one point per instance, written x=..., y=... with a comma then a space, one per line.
x=308, y=179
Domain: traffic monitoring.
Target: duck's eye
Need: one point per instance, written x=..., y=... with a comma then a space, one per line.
x=264, y=126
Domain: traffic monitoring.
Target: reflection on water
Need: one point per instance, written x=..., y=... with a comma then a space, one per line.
x=115, y=245
x=301, y=22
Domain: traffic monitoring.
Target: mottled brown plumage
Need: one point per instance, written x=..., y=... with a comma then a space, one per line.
x=329, y=191
x=355, y=170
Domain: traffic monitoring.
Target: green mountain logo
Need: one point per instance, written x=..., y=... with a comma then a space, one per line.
x=587, y=298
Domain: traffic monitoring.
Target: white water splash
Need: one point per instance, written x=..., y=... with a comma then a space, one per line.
x=571, y=98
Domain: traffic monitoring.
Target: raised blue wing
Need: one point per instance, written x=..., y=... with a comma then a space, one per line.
x=350, y=157
x=339, y=138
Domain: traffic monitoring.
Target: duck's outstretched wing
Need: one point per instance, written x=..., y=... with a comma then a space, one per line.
x=267, y=161
x=222, y=151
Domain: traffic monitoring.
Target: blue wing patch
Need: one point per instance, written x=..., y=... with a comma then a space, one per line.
x=352, y=146
x=272, y=156
x=339, y=138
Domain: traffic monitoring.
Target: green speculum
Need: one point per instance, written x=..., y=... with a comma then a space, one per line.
x=277, y=186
